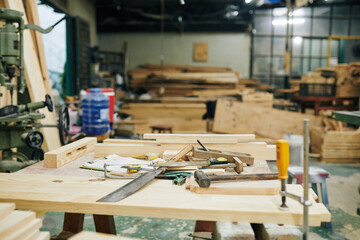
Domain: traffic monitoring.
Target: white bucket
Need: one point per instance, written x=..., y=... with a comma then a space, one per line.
x=296, y=144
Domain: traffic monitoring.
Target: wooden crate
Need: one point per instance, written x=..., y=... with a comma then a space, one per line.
x=335, y=146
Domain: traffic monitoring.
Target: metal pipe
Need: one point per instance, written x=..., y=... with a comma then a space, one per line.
x=306, y=180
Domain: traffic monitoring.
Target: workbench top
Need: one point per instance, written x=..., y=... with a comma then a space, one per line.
x=71, y=189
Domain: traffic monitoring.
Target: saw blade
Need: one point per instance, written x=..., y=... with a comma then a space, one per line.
x=130, y=187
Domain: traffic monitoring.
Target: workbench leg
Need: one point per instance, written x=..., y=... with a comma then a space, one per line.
x=204, y=226
x=302, y=106
x=104, y=224
x=73, y=222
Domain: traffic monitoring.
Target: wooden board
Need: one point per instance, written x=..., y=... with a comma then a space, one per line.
x=35, y=82
x=160, y=199
x=266, y=187
x=44, y=236
x=14, y=222
x=26, y=230
x=204, y=138
x=65, y=154
x=86, y=235
x=201, y=52
x=6, y=209
x=259, y=151
x=236, y=117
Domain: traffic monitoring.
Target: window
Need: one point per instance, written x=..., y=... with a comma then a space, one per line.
x=309, y=33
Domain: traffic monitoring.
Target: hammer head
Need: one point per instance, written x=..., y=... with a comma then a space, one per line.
x=202, y=179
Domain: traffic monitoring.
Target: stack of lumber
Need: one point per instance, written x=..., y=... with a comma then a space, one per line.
x=184, y=117
x=158, y=143
x=19, y=225
x=317, y=77
x=236, y=117
x=336, y=146
x=263, y=99
x=178, y=80
x=347, y=80
x=36, y=74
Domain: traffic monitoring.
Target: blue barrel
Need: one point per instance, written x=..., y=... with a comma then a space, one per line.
x=95, y=108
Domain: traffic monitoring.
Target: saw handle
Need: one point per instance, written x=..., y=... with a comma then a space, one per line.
x=202, y=179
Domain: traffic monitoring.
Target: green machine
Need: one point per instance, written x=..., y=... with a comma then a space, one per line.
x=19, y=125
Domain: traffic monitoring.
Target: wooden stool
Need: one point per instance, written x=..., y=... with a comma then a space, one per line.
x=161, y=128
x=316, y=176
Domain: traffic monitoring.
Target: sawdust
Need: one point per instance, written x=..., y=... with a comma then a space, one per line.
x=343, y=192
x=355, y=235
x=131, y=230
x=314, y=236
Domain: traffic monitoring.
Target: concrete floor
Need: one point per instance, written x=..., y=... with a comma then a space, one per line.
x=343, y=200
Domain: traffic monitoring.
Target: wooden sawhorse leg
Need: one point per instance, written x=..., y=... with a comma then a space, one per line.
x=104, y=224
x=74, y=223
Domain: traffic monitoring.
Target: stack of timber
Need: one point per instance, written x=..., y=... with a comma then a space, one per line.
x=159, y=143
x=19, y=225
x=263, y=99
x=178, y=80
x=236, y=117
x=184, y=117
x=336, y=146
x=347, y=80
x=36, y=74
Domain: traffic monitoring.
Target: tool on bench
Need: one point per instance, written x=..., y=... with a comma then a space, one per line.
x=131, y=187
x=212, y=153
x=204, y=180
x=134, y=168
x=178, y=177
x=282, y=160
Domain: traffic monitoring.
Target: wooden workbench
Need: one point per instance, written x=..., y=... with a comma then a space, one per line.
x=72, y=190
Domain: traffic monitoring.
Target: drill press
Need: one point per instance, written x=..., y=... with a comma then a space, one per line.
x=18, y=123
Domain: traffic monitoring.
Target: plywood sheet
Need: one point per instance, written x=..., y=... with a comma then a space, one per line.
x=236, y=117
x=266, y=187
x=160, y=199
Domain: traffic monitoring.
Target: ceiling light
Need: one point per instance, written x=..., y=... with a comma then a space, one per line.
x=182, y=2
x=248, y=1
x=291, y=21
x=297, y=40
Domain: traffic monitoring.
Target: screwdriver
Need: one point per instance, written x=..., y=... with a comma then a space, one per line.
x=282, y=161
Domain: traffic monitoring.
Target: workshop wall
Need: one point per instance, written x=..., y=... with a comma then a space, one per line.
x=225, y=49
x=86, y=10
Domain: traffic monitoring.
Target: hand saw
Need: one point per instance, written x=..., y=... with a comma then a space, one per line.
x=131, y=187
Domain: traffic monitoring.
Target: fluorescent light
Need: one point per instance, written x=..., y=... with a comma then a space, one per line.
x=248, y=1
x=297, y=40
x=291, y=21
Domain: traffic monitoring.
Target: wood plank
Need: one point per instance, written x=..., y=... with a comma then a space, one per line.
x=259, y=151
x=269, y=187
x=26, y=230
x=204, y=138
x=6, y=209
x=33, y=18
x=14, y=222
x=65, y=154
x=86, y=235
x=44, y=236
x=160, y=199
x=35, y=83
